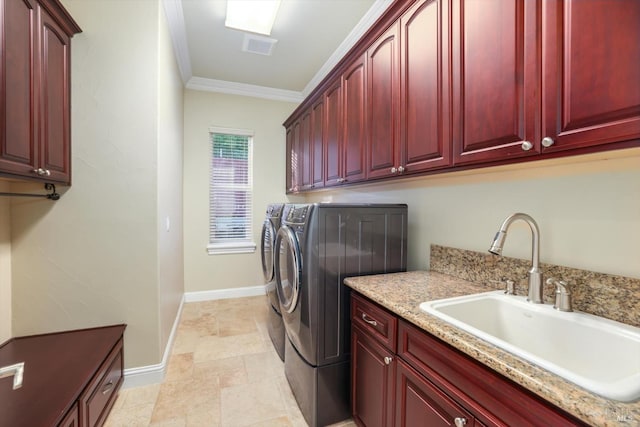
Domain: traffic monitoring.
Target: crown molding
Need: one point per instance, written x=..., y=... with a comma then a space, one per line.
x=175, y=20
x=242, y=89
x=375, y=11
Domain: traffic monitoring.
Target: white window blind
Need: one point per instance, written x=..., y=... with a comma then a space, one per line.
x=230, y=191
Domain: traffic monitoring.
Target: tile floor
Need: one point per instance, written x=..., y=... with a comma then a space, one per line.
x=223, y=371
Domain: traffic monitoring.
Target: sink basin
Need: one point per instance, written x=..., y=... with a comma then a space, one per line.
x=600, y=355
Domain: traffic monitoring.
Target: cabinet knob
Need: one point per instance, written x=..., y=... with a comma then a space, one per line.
x=388, y=360
x=400, y=169
x=547, y=142
x=394, y=170
x=41, y=172
x=526, y=146
x=460, y=422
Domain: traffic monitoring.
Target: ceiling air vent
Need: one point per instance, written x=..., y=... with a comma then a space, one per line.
x=258, y=44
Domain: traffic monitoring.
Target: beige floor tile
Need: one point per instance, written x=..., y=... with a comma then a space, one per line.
x=178, y=398
x=262, y=366
x=120, y=398
x=209, y=417
x=141, y=395
x=135, y=416
x=180, y=367
x=275, y=422
x=213, y=348
x=186, y=342
x=236, y=325
x=175, y=422
x=250, y=404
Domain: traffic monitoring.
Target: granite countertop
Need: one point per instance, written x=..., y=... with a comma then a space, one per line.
x=402, y=293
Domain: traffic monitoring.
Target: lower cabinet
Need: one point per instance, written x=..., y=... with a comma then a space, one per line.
x=420, y=403
x=403, y=376
x=373, y=376
x=70, y=378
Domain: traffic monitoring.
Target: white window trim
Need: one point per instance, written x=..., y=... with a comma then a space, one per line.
x=231, y=248
x=240, y=247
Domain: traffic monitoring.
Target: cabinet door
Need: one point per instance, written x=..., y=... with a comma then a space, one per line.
x=426, y=105
x=354, y=121
x=306, y=155
x=591, y=72
x=293, y=141
x=373, y=373
x=54, y=119
x=317, y=143
x=494, y=80
x=288, y=157
x=383, y=90
x=333, y=135
x=420, y=403
x=18, y=105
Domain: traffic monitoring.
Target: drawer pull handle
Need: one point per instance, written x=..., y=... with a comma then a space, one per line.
x=388, y=360
x=368, y=320
x=107, y=387
x=460, y=422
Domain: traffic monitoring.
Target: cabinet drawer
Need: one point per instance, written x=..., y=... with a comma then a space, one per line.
x=98, y=398
x=379, y=323
x=494, y=399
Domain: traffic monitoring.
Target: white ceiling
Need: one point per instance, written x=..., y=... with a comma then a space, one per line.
x=313, y=35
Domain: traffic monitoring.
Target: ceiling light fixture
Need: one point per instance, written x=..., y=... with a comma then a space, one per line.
x=256, y=16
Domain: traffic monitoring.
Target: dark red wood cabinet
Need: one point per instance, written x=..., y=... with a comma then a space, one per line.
x=383, y=108
x=445, y=85
x=354, y=137
x=425, y=104
x=70, y=378
x=373, y=343
x=494, y=80
x=404, y=377
x=332, y=152
x=35, y=88
x=590, y=68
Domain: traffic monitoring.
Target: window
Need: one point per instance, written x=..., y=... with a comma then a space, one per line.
x=230, y=191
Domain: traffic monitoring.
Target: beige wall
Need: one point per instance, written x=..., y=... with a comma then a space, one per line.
x=5, y=265
x=588, y=212
x=169, y=222
x=93, y=258
x=202, y=111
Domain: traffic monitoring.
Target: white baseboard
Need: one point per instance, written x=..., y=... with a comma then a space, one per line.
x=249, y=291
x=154, y=374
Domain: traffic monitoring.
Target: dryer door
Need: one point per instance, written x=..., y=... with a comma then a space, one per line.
x=267, y=242
x=288, y=265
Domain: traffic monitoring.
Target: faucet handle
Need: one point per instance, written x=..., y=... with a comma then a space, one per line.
x=563, y=294
x=510, y=288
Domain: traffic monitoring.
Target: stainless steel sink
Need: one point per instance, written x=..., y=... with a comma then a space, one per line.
x=600, y=355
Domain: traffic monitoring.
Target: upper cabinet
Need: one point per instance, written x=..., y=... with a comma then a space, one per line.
x=383, y=106
x=443, y=85
x=494, y=80
x=35, y=83
x=425, y=101
x=590, y=73
x=354, y=121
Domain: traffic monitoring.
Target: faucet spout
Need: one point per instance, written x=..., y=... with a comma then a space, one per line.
x=16, y=370
x=535, y=274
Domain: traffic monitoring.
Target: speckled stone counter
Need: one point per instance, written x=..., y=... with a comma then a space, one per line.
x=402, y=293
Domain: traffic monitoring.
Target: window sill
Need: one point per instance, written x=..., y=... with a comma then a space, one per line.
x=231, y=248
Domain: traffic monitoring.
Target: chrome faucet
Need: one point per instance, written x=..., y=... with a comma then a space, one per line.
x=16, y=370
x=535, y=275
